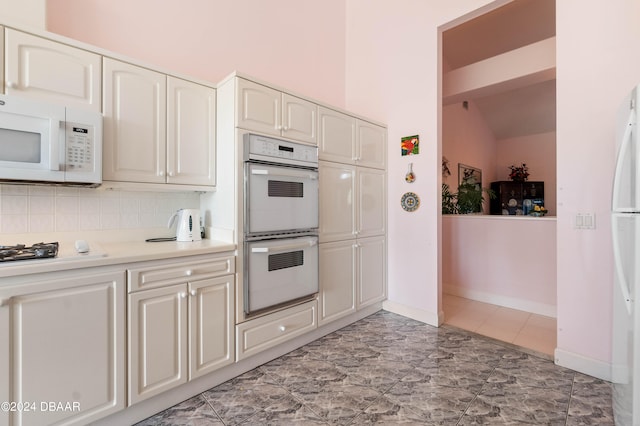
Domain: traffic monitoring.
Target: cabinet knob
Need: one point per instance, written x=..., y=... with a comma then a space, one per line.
x=171, y=174
x=161, y=173
x=189, y=273
x=286, y=128
x=282, y=328
x=182, y=294
x=12, y=85
x=193, y=292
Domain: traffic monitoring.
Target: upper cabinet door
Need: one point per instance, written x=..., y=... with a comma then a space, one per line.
x=336, y=136
x=135, y=105
x=372, y=202
x=259, y=108
x=191, y=133
x=371, y=146
x=299, y=119
x=51, y=71
x=337, y=202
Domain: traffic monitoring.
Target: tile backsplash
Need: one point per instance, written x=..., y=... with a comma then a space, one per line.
x=44, y=209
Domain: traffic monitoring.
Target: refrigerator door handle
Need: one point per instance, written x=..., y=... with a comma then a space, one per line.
x=624, y=146
x=622, y=279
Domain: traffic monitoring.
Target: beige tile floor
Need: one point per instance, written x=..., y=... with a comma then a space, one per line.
x=531, y=331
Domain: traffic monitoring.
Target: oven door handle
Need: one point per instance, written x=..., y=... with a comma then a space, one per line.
x=284, y=247
x=282, y=173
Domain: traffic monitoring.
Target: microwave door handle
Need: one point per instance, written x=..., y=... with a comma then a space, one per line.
x=284, y=247
x=280, y=173
x=54, y=154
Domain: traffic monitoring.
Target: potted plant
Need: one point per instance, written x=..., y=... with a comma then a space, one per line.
x=468, y=199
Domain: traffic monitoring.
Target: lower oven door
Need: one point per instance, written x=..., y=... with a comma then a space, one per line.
x=279, y=271
x=280, y=198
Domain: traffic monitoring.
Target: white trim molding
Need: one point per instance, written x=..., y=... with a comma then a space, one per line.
x=427, y=317
x=582, y=364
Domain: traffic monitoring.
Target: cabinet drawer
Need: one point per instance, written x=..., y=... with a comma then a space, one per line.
x=265, y=332
x=157, y=276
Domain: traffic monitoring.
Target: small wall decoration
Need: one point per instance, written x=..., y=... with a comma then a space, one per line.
x=468, y=175
x=410, y=202
x=410, y=176
x=410, y=145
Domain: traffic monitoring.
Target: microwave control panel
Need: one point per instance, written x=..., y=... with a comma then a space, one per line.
x=79, y=147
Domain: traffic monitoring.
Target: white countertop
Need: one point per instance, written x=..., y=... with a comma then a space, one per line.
x=112, y=253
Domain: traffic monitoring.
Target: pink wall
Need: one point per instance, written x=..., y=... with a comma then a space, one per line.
x=294, y=44
x=595, y=70
x=506, y=261
x=466, y=139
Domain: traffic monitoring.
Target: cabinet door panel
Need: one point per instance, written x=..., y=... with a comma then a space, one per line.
x=337, y=201
x=134, y=123
x=372, y=273
x=300, y=118
x=372, y=145
x=47, y=70
x=372, y=206
x=211, y=334
x=157, y=341
x=67, y=345
x=259, y=108
x=337, y=280
x=336, y=136
x=191, y=133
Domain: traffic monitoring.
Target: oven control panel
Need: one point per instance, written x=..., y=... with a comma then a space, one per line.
x=264, y=148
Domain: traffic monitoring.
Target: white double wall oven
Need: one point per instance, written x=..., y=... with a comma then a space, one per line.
x=280, y=223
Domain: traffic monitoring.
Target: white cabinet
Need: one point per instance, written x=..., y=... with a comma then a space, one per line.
x=337, y=296
x=352, y=228
x=157, y=128
x=47, y=70
x=275, y=113
x=270, y=330
x=352, y=276
x=191, y=133
x=134, y=143
x=62, y=337
x=346, y=139
x=371, y=145
x=180, y=323
x=371, y=281
x=352, y=202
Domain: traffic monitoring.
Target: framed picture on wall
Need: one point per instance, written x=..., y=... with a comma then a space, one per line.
x=469, y=175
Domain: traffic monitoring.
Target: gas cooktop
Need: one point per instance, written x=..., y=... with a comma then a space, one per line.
x=22, y=252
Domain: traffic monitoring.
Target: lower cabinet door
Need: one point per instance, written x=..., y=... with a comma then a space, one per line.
x=337, y=280
x=372, y=272
x=157, y=341
x=211, y=328
x=65, y=340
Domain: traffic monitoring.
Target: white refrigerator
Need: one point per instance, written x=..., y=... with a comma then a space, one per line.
x=625, y=220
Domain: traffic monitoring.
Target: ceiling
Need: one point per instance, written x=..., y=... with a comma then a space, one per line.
x=518, y=112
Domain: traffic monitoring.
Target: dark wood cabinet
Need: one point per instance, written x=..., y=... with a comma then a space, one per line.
x=510, y=197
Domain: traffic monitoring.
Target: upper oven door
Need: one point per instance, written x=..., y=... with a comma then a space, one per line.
x=279, y=199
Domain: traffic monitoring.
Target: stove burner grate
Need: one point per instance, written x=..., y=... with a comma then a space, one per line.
x=22, y=252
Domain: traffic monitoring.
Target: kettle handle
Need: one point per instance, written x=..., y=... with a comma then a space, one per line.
x=173, y=218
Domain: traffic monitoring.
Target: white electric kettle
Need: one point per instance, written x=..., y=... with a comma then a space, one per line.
x=188, y=227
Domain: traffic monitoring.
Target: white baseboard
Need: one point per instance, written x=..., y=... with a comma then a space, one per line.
x=592, y=367
x=507, y=302
x=427, y=317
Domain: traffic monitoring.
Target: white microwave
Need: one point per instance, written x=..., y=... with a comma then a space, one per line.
x=42, y=142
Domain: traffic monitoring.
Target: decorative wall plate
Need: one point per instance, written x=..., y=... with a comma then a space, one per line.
x=410, y=201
